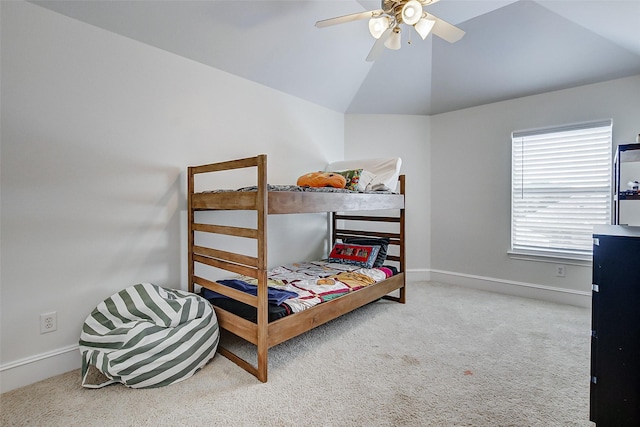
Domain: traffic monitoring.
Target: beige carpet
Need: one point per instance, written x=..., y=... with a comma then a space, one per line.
x=449, y=357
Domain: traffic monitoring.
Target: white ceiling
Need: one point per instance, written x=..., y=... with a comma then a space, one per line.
x=511, y=48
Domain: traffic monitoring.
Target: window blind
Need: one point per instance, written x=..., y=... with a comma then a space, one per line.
x=561, y=184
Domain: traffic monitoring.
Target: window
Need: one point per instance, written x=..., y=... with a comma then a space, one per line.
x=560, y=189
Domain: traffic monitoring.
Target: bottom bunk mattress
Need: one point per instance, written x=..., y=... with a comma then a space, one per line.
x=296, y=287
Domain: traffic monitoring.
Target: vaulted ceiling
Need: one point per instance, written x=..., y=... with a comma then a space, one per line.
x=511, y=48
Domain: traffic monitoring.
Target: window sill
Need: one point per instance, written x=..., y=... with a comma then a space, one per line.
x=570, y=259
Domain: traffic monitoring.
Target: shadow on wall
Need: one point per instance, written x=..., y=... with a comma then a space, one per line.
x=82, y=221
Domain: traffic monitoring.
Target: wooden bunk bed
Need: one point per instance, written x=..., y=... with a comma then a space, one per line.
x=262, y=333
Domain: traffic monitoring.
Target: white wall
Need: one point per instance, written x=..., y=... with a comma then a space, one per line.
x=97, y=131
x=407, y=137
x=470, y=178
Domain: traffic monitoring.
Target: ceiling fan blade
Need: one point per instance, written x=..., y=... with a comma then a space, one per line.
x=445, y=30
x=378, y=46
x=348, y=18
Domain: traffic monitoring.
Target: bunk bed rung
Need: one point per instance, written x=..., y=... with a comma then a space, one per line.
x=341, y=233
x=226, y=256
x=367, y=218
x=231, y=164
x=250, y=233
x=227, y=291
x=239, y=326
x=224, y=265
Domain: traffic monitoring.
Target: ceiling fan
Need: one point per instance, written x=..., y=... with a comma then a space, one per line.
x=384, y=23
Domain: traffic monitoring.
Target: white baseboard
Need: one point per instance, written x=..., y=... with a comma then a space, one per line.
x=39, y=367
x=418, y=275
x=509, y=287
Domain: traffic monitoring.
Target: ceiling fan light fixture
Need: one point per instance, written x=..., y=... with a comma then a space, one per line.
x=411, y=12
x=378, y=25
x=395, y=40
x=385, y=24
x=424, y=27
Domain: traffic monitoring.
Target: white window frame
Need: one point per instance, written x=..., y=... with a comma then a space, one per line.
x=560, y=189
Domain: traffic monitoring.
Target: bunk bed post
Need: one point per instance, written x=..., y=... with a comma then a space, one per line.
x=190, y=219
x=403, y=261
x=333, y=223
x=262, y=309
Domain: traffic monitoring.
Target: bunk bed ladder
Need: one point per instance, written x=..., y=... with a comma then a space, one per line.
x=255, y=267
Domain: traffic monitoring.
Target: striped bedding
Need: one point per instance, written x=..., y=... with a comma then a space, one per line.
x=147, y=336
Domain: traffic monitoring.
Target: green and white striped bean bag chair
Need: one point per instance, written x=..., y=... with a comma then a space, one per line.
x=147, y=336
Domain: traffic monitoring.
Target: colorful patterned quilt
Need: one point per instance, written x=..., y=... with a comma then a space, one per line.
x=317, y=281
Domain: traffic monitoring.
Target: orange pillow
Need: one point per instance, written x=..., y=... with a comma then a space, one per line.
x=322, y=179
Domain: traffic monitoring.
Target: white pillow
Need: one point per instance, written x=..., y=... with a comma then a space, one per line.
x=366, y=178
x=385, y=171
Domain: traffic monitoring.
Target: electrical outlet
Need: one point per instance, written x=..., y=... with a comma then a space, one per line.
x=560, y=270
x=48, y=322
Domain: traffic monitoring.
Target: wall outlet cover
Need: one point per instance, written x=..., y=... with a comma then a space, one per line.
x=48, y=322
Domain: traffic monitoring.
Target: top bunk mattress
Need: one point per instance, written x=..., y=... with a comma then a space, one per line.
x=383, y=178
